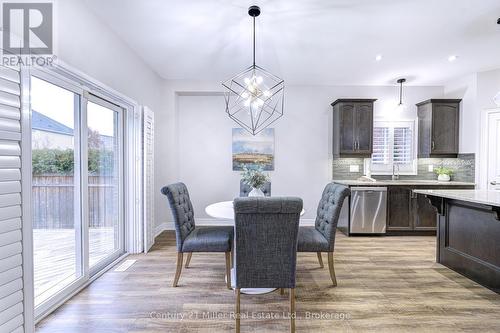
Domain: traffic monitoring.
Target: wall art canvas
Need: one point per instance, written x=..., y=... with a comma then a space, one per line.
x=252, y=151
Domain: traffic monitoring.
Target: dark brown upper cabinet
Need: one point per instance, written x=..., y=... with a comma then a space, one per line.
x=353, y=127
x=438, y=127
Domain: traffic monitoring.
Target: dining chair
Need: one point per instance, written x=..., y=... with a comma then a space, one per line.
x=321, y=237
x=266, y=231
x=245, y=189
x=190, y=238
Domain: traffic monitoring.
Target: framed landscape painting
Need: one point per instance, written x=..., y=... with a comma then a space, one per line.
x=251, y=151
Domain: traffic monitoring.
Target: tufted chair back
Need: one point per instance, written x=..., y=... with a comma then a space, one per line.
x=245, y=189
x=328, y=212
x=182, y=210
x=266, y=233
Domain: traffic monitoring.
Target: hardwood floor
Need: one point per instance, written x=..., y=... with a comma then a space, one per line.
x=55, y=257
x=386, y=284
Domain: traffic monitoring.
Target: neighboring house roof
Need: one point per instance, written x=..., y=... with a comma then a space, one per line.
x=44, y=123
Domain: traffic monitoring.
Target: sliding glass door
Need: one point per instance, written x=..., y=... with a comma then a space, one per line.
x=57, y=225
x=77, y=187
x=104, y=185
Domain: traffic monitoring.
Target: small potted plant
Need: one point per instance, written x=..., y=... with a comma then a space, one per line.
x=444, y=174
x=256, y=178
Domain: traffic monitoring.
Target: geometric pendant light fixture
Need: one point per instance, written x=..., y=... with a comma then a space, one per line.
x=254, y=97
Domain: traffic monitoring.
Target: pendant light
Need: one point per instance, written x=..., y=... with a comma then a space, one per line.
x=400, y=82
x=254, y=97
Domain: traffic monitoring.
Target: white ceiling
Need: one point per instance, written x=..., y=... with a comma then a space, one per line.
x=311, y=42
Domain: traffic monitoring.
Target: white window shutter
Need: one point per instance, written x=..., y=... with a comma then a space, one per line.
x=403, y=145
x=11, y=262
x=393, y=145
x=148, y=182
x=381, y=145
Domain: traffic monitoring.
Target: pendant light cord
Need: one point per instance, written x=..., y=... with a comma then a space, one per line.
x=254, y=41
x=401, y=93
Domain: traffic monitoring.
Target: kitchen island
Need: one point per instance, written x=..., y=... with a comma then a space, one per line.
x=469, y=233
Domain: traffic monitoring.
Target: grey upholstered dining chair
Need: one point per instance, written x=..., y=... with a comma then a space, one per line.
x=245, y=189
x=266, y=232
x=189, y=237
x=321, y=237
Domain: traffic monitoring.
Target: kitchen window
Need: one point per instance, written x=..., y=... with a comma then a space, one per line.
x=393, y=146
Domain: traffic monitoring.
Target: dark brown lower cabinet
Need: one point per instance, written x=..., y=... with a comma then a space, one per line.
x=425, y=214
x=408, y=212
x=400, y=212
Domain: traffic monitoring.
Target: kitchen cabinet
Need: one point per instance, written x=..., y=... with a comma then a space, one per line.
x=438, y=128
x=353, y=127
x=425, y=213
x=411, y=212
x=399, y=208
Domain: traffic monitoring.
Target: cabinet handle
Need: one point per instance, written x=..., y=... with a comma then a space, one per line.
x=433, y=146
x=494, y=183
x=357, y=145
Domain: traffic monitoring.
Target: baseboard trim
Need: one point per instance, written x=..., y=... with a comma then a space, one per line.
x=161, y=228
x=169, y=225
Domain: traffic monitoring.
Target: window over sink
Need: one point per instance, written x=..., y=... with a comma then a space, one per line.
x=393, y=146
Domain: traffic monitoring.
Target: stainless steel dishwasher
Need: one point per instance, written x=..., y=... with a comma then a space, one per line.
x=368, y=210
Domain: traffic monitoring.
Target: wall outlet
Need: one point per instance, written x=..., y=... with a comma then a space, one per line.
x=430, y=168
x=353, y=168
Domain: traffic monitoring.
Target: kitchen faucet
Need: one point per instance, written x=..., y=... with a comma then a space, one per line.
x=395, y=176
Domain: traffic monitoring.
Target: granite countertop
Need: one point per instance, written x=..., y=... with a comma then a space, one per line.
x=349, y=182
x=485, y=197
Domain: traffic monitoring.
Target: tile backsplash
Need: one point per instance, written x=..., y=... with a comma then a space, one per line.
x=463, y=166
x=341, y=168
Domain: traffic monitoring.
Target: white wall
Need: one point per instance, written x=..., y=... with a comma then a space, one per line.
x=488, y=85
x=84, y=42
x=466, y=89
x=476, y=91
x=198, y=147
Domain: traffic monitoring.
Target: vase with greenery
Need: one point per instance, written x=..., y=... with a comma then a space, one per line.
x=256, y=178
x=444, y=174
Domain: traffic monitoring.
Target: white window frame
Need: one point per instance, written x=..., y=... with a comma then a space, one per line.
x=391, y=124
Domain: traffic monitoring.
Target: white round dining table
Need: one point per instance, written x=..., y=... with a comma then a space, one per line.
x=224, y=210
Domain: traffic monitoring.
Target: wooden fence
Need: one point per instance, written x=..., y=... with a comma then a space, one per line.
x=53, y=202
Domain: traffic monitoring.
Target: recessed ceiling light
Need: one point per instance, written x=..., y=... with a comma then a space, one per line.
x=452, y=58
x=378, y=57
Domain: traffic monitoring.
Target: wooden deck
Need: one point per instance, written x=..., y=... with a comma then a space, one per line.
x=55, y=259
x=385, y=284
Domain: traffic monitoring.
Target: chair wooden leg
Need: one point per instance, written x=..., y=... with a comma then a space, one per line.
x=188, y=260
x=332, y=268
x=320, y=259
x=228, y=270
x=179, y=268
x=292, y=310
x=237, y=314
